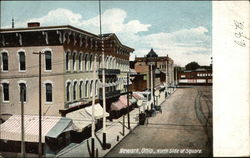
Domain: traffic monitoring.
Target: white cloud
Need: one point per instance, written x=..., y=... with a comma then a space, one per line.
x=183, y=45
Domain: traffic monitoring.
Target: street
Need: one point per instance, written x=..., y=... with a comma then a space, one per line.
x=184, y=128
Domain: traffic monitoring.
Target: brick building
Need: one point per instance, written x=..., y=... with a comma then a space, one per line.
x=199, y=76
x=163, y=71
x=67, y=67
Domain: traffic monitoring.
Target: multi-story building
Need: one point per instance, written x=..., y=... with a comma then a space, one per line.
x=67, y=62
x=162, y=65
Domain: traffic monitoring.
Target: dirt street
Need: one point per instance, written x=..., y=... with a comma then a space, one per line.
x=184, y=128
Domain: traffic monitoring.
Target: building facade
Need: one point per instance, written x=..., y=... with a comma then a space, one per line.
x=67, y=64
x=196, y=77
x=163, y=70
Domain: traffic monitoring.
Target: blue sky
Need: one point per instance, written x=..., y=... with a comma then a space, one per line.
x=183, y=30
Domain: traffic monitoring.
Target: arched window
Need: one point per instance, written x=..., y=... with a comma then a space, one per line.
x=22, y=88
x=22, y=64
x=74, y=61
x=5, y=92
x=100, y=61
x=74, y=90
x=48, y=62
x=80, y=89
x=5, y=61
x=90, y=88
x=80, y=62
x=48, y=87
x=90, y=62
x=68, y=91
x=86, y=89
x=67, y=61
x=96, y=87
x=86, y=62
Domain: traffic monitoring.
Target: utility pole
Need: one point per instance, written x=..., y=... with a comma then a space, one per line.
x=40, y=151
x=103, y=84
x=22, y=123
x=93, y=111
x=152, y=88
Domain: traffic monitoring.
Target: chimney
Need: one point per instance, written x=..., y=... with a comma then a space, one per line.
x=13, y=23
x=33, y=24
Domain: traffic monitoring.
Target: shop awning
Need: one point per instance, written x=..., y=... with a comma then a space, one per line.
x=160, y=88
x=116, y=106
x=124, y=100
x=121, y=103
x=64, y=124
x=138, y=96
x=98, y=111
x=52, y=126
x=80, y=118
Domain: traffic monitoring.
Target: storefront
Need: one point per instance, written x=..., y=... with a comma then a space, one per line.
x=55, y=134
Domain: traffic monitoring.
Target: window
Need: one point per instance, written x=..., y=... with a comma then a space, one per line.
x=22, y=65
x=5, y=92
x=68, y=91
x=80, y=61
x=48, y=92
x=80, y=89
x=96, y=87
x=183, y=76
x=5, y=61
x=86, y=89
x=48, y=65
x=74, y=90
x=86, y=62
x=74, y=61
x=90, y=88
x=90, y=62
x=22, y=87
x=67, y=61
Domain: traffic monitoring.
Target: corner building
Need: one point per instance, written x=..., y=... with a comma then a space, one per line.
x=67, y=63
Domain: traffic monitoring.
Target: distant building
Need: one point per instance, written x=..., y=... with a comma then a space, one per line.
x=67, y=67
x=200, y=76
x=163, y=71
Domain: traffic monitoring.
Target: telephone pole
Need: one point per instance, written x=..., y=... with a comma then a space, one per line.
x=104, y=137
x=40, y=152
x=93, y=112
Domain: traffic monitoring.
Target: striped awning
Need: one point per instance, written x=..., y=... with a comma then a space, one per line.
x=52, y=126
x=98, y=111
x=80, y=118
x=121, y=103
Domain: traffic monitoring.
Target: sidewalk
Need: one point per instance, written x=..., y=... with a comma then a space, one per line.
x=113, y=130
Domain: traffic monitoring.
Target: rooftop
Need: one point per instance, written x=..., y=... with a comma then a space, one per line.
x=152, y=54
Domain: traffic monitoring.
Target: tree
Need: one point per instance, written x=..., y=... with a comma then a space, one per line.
x=192, y=66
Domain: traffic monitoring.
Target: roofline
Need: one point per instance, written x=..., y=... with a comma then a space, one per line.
x=113, y=34
x=163, y=57
x=41, y=28
x=59, y=27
